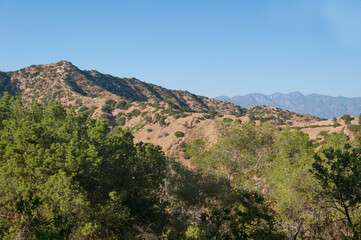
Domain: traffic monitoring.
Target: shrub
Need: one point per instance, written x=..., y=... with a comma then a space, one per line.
x=183, y=146
x=136, y=112
x=111, y=102
x=186, y=109
x=186, y=155
x=148, y=119
x=123, y=105
x=129, y=115
x=180, y=115
x=227, y=120
x=347, y=118
x=323, y=133
x=179, y=134
x=121, y=121
x=355, y=128
x=83, y=109
x=162, y=121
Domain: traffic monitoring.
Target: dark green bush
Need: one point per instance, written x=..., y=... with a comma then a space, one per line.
x=179, y=134
x=136, y=112
x=121, y=121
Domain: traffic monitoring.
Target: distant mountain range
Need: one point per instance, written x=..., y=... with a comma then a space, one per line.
x=315, y=104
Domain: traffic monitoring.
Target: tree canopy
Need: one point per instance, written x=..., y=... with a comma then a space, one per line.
x=64, y=176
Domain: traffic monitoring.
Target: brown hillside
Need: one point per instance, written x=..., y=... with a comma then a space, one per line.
x=153, y=113
x=64, y=82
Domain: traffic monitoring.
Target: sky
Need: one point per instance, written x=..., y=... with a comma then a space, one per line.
x=207, y=47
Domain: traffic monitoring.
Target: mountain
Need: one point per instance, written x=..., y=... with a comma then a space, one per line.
x=154, y=114
x=65, y=82
x=314, y=104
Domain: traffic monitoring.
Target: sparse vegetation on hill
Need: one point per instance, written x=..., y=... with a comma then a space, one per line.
x=65, y=82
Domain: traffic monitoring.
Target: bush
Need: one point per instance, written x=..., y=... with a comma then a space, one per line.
x=123, y=105
x=183, y=146
x=227, y=120
x=148, y=119
x=347, y=118
x=186, y=155
x=109, y=106
x=129, y=115
x=186, y=109
x=323, y=133
x=136, y=112
x=354, y=128
x=107, y=109
x=180, y=115
x=179, y=134
x=111, y=102
x=162, y=121
x=121, y=121
x=83, y=109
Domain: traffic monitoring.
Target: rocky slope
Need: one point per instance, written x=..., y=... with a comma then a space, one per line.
x=65, y=82
x=315, y=104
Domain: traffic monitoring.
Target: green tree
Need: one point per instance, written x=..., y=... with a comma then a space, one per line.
x=290, y=184
x=207, y=207
x=339, y=173
x=347, y=118
x=240, y=152
x=65, y=176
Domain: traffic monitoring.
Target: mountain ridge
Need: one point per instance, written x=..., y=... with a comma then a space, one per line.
x=319, y=105
x=65, y=82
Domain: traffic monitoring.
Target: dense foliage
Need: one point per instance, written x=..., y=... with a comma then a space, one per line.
x=67, y=176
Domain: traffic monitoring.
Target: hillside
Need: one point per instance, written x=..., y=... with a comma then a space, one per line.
x=154, y=114
x=315, y=104
x=73, y=87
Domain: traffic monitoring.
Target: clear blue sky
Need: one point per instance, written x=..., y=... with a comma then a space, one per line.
x=208, y=47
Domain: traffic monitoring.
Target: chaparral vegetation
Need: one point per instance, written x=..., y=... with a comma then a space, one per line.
x=65, y=175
